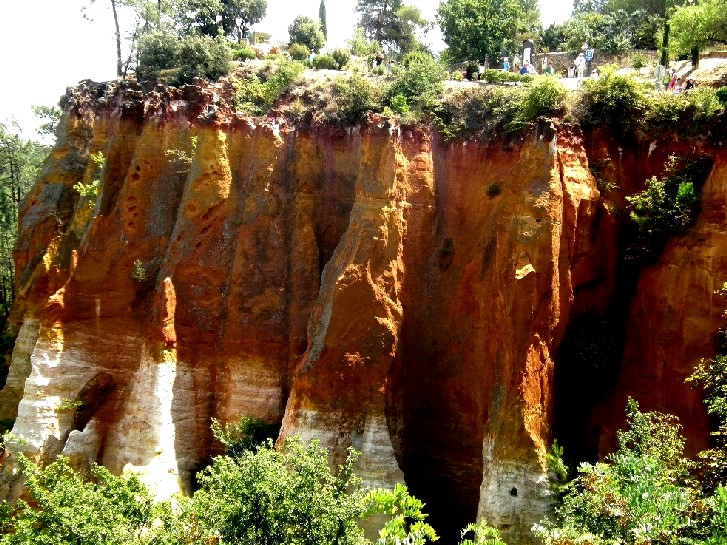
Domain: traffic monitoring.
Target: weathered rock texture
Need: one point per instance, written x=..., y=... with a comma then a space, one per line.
x=370, y=287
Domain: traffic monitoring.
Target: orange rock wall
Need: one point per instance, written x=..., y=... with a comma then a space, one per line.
x=370, y=287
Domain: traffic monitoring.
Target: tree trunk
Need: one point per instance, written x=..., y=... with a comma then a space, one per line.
x=119, y=63
x=665, y=45
x=695, y=57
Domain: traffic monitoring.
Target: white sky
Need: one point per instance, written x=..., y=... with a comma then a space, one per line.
x=46, y=45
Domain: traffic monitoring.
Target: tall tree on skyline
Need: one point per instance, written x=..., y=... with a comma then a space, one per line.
x=378, y=19
x=322, y=18
x=474, y=29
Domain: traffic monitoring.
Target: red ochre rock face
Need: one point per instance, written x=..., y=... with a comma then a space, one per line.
x=372, y=287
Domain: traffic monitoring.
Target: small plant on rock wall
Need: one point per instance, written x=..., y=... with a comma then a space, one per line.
x=669, y=204
x=138, y=272
x=90, y=190
x=69, y=405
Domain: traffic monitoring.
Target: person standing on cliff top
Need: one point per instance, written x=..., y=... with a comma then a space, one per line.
x=580, y=65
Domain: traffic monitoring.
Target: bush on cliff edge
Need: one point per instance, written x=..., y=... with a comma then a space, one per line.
x=183, y=58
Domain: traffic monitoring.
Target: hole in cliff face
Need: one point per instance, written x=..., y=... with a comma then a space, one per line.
x=587, y=368
x=437, y=421
x=92, y=397
x=513, y=492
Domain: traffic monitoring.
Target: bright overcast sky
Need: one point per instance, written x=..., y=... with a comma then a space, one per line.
x=46, y=45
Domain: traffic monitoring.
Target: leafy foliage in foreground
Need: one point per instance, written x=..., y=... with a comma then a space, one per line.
x=647, y=492
x=273, y=496
x=63, y=509
x=262, y=496
x=641, y=494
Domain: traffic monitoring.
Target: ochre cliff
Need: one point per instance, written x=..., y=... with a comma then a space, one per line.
x=371, y=287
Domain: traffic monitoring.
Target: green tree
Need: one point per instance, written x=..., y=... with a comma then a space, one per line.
x=669, y=204
x=419, y=80
x=377, y=18
x=264, y=496
x=197, y=17
x=305, y=31
x=50, y=115
x=289, y=495
x=322, y=18
x=528, y=21
x=239, y=15
x=588, y=6
x=474, y=29
x=409, y=22
x=696, y=25
x=203, y=56
x=360, y=45
x=158, y=51
x=64, y=510
x=20, y=162
x=195, y=55
x=640, y=494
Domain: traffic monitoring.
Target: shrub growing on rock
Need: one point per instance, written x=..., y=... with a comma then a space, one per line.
x=257, y=93
x=298, y=52
x=158, y=51
x=544, y=97
x=203, y=57
x=722, y=95
x=325, y=62
x=243, y=52
x=342, y=57
x=669, y=204
x=612, y=100
x=420, y=79
x=354, y=96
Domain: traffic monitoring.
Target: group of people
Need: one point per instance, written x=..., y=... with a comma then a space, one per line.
x=674, y=84
x=527, y=68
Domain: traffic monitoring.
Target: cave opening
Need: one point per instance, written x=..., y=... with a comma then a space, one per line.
x=588, y=363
